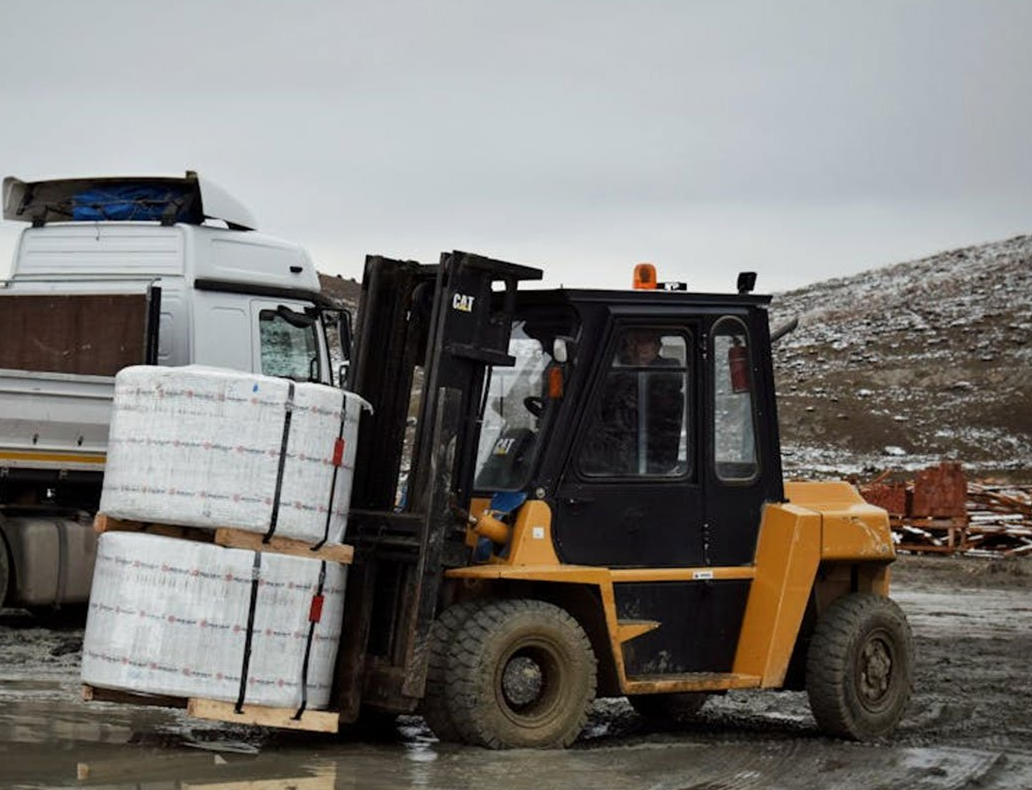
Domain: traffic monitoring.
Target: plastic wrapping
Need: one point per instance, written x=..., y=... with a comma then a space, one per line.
x=207, y=447
x=171, y=617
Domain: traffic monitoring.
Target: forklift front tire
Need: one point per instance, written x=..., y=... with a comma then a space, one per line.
x=435, y=707
x=858, y=668
x=522, y=674
x=669, y=708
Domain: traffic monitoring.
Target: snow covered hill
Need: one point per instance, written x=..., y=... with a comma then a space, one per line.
x=910, y=364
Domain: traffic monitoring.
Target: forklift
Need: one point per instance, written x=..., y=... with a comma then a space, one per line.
x=569, y=494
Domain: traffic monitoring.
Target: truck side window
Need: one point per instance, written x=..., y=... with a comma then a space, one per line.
x=287, y=350
x=733, y=419
x=639, y=427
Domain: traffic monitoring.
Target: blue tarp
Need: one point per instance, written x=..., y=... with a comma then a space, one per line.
x=141, y=203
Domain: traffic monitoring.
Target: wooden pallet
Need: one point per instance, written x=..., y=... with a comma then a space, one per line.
x=230, y=538
x=936, y=535
x=218, y=710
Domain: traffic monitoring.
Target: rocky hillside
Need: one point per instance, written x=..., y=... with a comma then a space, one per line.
x=344, y=290
x=910, y=364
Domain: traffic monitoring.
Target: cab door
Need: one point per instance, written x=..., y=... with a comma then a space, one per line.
x=630, y=495
x=618, y=507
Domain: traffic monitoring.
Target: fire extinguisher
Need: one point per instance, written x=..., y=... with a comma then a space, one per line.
x=738, y=362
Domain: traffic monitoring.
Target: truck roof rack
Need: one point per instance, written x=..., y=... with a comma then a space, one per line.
x=189, y=199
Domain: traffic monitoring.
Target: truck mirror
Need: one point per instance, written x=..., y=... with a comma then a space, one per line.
x=295, y=319
x=346, y=339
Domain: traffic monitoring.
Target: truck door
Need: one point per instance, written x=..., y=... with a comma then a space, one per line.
x=288, y=341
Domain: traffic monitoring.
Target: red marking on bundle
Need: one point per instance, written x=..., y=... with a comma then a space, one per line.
x=338, y=452
x=315, y=612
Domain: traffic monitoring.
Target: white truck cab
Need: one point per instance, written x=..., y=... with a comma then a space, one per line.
x=115, y=272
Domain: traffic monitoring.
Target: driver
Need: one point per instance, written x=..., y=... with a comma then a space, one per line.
x=639, y=424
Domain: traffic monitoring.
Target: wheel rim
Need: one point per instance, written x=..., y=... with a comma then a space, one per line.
x=528, y=683
x=876, y=671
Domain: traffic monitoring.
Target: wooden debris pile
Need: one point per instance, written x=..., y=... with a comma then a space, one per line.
x=940, y=512
x=1000, y=519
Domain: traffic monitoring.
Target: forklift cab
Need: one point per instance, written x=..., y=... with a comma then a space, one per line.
x=660, y=446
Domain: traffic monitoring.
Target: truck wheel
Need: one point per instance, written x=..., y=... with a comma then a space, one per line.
x=669, y=708
x=858, y=668
x=5, y=565
x=521, y=674
x=435, y=707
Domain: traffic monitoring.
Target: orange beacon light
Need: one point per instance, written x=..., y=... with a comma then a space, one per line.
x=645, y=276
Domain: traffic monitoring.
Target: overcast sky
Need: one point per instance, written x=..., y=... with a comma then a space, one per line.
x=804, y=140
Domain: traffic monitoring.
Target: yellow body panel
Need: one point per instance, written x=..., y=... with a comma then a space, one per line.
x=787, y=555
x=825, y=523
x=852, y=528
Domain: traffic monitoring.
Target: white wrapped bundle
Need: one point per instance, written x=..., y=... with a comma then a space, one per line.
x=170, y=617
x=203, y=447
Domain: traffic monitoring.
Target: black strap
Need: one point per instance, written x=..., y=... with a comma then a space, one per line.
x=255, y=574
x=274, y=517
x=336, y=471
x=312, y=620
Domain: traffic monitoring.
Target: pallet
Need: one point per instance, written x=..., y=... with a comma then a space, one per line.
x=230, y=538
x=218, y=710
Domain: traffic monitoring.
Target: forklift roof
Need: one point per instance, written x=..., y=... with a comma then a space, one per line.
x=642, y=297
x=188, y=198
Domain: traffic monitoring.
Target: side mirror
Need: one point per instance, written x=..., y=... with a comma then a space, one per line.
x=559, y=351
x=563, y=349
x=346, y=338
x=295, y=319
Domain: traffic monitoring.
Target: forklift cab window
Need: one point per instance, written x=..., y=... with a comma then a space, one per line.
x=517, y=403
x=289, y=345
x=639, y=427
x=733, y=421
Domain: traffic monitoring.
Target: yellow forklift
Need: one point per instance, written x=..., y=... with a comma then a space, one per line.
x=569, y=494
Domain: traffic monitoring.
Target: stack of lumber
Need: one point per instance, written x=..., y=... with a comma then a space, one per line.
x=1000, y=520
x=940, y=512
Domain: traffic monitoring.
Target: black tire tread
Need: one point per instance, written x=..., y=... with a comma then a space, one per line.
x=828, y=662
x=467, y=669
x=435, y=707
x=5, y=566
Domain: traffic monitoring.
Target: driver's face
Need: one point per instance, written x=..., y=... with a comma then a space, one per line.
x=642, y=347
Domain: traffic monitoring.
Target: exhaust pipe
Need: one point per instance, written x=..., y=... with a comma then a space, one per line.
x=783, y=330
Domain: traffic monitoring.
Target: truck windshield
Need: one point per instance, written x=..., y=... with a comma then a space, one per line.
x=517, y=408
x=290, y=349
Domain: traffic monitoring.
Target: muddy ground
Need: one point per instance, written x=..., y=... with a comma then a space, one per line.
x=969, y=724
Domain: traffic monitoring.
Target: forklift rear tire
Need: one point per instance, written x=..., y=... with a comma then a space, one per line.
x=669, y=708
x=435, y=707
x=521, y=674
x=858, y=668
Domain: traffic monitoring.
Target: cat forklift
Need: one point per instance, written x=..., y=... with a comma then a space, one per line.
x=568, y=494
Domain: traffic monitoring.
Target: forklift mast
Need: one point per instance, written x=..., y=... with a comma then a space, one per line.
x=425, y=333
